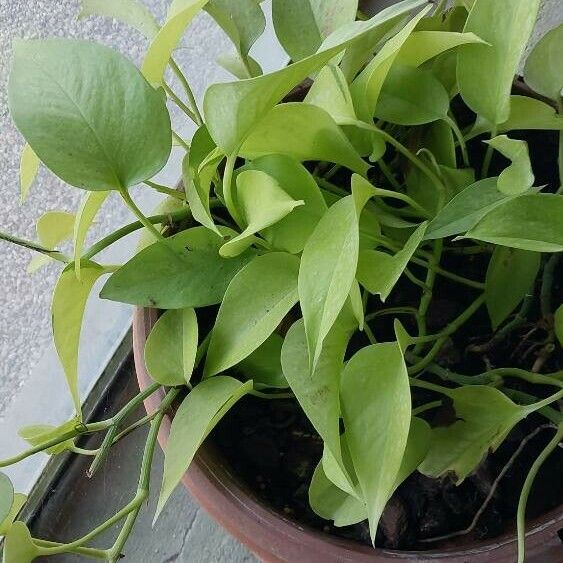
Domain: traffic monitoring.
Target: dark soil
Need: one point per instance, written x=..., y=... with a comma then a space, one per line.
x=272, y=446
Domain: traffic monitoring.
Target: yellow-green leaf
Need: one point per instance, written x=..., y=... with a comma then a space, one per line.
x=18, y=546
x=29, y=166
x=17, y=504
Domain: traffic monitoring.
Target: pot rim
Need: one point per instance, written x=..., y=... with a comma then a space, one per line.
x=275, y=538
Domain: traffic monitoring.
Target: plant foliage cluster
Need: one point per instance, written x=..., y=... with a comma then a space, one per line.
x=296, y=222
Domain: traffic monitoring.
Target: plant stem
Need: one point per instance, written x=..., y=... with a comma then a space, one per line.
x=369, y=334
x=261, y=395
x=54, y=254
x=546, y=291
x=521, y=513
x=227, y=193
x=180, y=141
x=488, y=155
x=139, y=214
x=131, y=228
x=406, y=199
x=459, y=136
x=115, y=422
x=428, y=406
x=388, y=175
x=86, y=551
x=178, y=101
x=184, y=82
x=427, y=294
x=428, y=386
x=391, y=311
x=165, y=190
x=550, y=413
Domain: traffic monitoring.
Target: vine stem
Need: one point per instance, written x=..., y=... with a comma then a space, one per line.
x=521, y=513
x=488, y=155
x=227, y=192
x=30, y=245
x=178, y=101
x=139, y=214
x=460, y=139
x=165, y=190
x=186, y=85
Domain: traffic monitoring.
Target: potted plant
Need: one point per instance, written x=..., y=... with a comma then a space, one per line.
x=356, y=292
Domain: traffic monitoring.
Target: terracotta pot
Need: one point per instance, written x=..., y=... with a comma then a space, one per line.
x=275, y=538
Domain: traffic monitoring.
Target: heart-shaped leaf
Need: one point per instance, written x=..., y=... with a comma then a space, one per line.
x=174, y=275
x=510, y=276
x=485, y=72
x=291, y=232
x=256, y=302
x=243, y=21
x=529, y=222
x=376, y=406
x=37, y=434
x=198, y=414
x=117, y=128
x=19, y=547
x=17, y=504
x=421, y=46
x=67, y=311
x=29, y=166
x=263, y=203
x=319, y=137
x=301, y=27
x=378, y=272
x=544, y=65
x=54, y=227
x=518, y=177
x=180, y=15
x=171, y=347
x=484, y=416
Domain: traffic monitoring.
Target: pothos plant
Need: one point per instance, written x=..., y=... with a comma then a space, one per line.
x=286, y=261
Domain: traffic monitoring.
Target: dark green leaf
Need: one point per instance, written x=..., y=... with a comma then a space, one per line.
x=263, y=366
x=484, y=416
x=116, y=127
x=558, y=323
x=530, y=222
x=510, y=276
x=256, y=301
x=198, y=414
x=169, y=275
x=171, y=347
x=376, y=406
x=485, y=72
x=544, y=65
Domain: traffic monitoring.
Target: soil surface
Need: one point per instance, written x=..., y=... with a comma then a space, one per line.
x=274, y=449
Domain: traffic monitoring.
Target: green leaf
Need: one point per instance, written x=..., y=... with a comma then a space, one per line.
x=302, y=26
x=29, y=166
x=131, y=12
x=291, y=232
x=67, y=311
x=558, y=323
x=332, y=503
x=485, y=72
x=466, y=209
x=18, y=546
x=367, y=86
x=530, y=222
x=243, y=21
x=180, y=15
x=510, y=276
x=198, y=414
x=169, y=275
x=37, y=434
x=171, y=347
x=327, y=271
x=318, y=391
x=421, y=46
x=330, y=92
x=6, y=497
x=256, y=302
x=263, y=203
x=412, y=96
x=378, y=271
x=263, y=366
x=17, y=504
x=232, y=109
x=54, y=227
x=518, y=177
x=319, y=136
x=117, y=128
x=233, y=63
x=544, y=66
x=197, y=173
x=484, y=416
x=376, y=406
x=84, y=219
x=525, y=113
